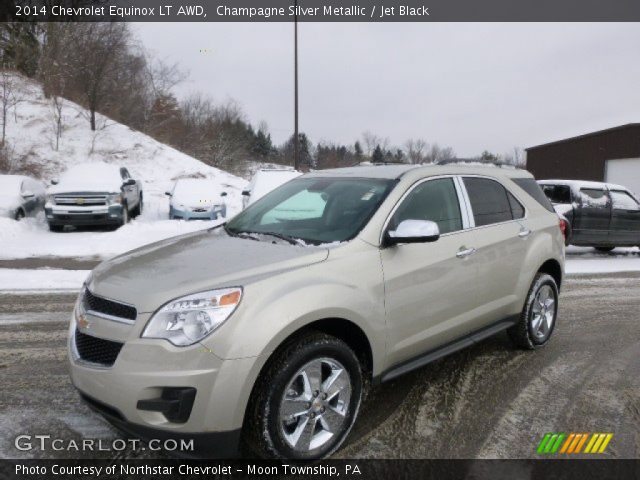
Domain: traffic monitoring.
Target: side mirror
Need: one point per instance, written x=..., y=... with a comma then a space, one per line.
x=246, y=193
x=55, y=181
x=129, y=183
x=413, y=231
x=223, y=194
x=28, y=194
x=168, y=194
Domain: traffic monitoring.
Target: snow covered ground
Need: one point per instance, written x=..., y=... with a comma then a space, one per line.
x=13, y=280
x=31, y=136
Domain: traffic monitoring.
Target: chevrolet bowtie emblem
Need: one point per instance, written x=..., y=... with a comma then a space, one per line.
x=83, y=322
x=79, y=201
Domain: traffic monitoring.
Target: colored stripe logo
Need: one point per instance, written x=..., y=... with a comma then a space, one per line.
x=568, y=443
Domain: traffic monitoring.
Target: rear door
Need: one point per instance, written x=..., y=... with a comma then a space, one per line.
x=591, y=224
x=500, y=237
x=625, y=219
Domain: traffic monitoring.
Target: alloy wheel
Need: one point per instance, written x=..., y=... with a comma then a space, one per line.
x=543, y=312
x=315, y=404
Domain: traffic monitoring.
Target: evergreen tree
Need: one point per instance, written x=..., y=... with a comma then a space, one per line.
x=357, y=149
x=377, y=156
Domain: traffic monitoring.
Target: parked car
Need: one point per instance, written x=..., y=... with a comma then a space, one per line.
x=94, y=193
x=271, y=327
x=196, y=198
x=601, y=215
x=20, y=196
x=264, y=181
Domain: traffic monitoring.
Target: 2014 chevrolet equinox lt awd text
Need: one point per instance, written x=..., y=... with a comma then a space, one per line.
x=266, y=332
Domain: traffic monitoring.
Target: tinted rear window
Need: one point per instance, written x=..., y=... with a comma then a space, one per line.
x=530, y=186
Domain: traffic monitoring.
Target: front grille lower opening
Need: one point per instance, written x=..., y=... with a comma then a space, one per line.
x=96, y=350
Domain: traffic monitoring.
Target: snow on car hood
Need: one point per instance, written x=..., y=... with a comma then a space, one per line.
x=196, y=193
x=154, y=274
x=89, y=177
x=8, y=202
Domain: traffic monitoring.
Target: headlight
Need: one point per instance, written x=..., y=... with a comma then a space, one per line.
x=115, y=198
x=187, y=320
x=51, y=199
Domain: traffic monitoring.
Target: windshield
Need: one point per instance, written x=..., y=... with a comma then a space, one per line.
x=315, y=210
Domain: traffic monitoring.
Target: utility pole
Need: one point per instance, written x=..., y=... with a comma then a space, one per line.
x=296, y=152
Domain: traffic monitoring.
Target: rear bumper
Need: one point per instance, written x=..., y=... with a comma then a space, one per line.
x=111, y=215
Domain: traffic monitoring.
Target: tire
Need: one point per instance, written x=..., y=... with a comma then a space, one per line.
x=528, y=333
x=19, y=215
x=125, y=215
x=328, y=416
x=138, y=210
x=604, y=249
x=56, y=228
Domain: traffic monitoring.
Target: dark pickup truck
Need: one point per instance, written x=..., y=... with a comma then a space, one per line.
x=601, y=215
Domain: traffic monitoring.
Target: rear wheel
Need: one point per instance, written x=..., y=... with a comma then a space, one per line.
x=604, y=249
x=538, y=317
x=306, y=401
x=56, y=228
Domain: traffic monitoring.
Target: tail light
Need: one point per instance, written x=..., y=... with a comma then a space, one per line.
x=563, y=227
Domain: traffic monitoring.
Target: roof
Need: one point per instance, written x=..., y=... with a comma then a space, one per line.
x=397, y=171
x=583, y=184
x=586, y=135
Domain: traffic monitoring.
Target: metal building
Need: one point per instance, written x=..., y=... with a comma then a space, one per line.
x=611, y=155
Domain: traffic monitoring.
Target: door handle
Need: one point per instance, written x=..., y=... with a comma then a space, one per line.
x=465, y=252
x=524, y=233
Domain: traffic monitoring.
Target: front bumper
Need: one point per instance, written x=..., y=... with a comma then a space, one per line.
x=213, y=214
x=145, y=368
x=98, y=215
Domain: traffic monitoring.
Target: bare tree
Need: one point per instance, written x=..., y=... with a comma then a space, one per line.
x=371, y=141
x=9, y=97
x=56, y=110
x=416, y=149
x=436, y=154
x=99, y=50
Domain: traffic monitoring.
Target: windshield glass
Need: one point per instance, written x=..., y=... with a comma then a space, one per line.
x=315, y=210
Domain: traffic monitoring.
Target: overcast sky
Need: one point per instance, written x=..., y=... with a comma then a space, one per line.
x=471, y=86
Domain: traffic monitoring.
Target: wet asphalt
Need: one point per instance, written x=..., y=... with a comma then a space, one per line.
x=488, y=401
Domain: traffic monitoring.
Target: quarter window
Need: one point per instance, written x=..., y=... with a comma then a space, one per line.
x=623, y=201
x=517, y=210
x=434, y=200
x=489, y=201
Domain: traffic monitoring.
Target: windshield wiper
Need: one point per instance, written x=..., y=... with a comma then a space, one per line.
x=286, y=238
x=241, y=234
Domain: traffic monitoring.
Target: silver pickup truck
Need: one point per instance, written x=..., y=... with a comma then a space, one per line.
x=93, y=193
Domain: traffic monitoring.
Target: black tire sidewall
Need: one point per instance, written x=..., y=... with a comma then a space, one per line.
x=540, y=282
x=334, y=350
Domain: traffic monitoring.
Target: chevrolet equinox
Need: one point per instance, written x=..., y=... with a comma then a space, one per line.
x=266, y=332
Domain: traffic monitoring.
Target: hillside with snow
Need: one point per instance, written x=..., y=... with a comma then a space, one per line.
x=31, y=139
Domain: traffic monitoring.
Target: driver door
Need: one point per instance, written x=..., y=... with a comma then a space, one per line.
x=430, y=288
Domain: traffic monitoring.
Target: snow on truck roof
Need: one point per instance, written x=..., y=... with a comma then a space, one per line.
x=399, y=170
x=578, y=184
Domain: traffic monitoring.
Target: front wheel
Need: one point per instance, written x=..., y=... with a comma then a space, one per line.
x=538, y=317
x=306, y=401
x=19, y=215
x=125, y=215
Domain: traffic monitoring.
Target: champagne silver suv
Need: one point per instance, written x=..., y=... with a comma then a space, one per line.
x=266, y=333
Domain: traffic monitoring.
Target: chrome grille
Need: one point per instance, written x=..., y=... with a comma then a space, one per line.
x=81, y=200
x=104, y=306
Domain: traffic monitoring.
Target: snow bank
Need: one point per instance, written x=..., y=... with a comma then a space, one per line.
x=30, y=134
x=22, y=281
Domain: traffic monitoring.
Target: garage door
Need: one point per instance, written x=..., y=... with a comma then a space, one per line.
x=624, y=172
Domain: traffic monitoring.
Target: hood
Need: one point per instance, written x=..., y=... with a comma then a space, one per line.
x=84, y=187
x=9, y=202
x=152, y=275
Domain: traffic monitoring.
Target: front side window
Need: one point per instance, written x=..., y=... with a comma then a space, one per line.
x=434, y=200
x=315, y=210
x=623, y=201
x=594, y=198
x=489, y=201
